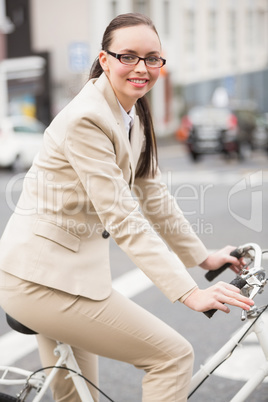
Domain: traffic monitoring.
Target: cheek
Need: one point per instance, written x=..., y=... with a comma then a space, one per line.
x=120, y=71
x=117, y=79
x=115, y=70
x=155, y=75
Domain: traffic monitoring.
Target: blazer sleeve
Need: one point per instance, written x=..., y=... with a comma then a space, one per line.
x=89, y=147
x=162, y=210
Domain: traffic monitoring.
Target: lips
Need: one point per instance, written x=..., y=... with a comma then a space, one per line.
x=138, y=82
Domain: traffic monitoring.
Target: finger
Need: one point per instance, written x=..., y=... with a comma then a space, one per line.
x=238, y=300
x=227, y=293
x=221, y=306
x=232, y=291
x=234, y=261
x=235, y=269
x=228, y=287
x=237, y=303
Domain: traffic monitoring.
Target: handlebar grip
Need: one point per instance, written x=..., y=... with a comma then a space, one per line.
x=210, y=275
x=239, y=283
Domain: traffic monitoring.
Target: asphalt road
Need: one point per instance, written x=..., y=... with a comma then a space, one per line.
x=225, y=200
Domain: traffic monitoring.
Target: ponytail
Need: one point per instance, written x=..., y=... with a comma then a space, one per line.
x=96, y=69
x=149, y=159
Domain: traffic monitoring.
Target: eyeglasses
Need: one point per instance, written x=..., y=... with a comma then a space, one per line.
x=132, y=60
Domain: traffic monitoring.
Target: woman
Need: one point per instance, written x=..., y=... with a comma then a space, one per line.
x=54, y=252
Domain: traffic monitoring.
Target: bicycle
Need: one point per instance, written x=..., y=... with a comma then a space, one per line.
x=251, y=281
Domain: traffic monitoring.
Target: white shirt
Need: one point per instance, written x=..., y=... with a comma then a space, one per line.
x=128, y=117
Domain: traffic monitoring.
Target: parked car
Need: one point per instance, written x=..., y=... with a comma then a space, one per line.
x=20, y=140
x=246, y=121
x=253, y=128
x=209, y=129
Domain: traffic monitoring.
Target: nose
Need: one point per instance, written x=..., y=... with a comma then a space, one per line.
x=141, y=66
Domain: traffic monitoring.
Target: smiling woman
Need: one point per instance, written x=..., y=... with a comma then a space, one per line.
x=132, y=81
x=54, y=253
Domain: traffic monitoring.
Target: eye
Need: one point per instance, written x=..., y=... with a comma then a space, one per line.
x=152, y=60
x=128, y=58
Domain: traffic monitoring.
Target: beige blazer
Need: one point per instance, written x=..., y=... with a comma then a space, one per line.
x=82, y=183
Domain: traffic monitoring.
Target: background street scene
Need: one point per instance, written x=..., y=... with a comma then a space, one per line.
x=210, y=109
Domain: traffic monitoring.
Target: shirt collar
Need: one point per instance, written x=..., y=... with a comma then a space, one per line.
x=127, y=117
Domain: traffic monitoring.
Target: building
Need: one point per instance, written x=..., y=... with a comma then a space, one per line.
x=220, y=43
x=24, y=72
x=207, y=44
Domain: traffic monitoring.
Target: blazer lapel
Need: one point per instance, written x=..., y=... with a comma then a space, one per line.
x=103, y=84
x=136, y=140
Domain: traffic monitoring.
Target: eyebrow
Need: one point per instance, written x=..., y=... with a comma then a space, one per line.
x=131, y=51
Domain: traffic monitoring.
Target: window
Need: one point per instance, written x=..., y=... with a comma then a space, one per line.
x=232, y=36
x=232, y=30
x=249, y=28
x=166, y=6
x=190, y=31
x=212, y=30
x=260, y=34
x=141, y=6
x=114, y=8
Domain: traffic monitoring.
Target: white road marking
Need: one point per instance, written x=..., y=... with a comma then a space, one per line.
x=132, y=283
x=174, y=178
x=14, y=346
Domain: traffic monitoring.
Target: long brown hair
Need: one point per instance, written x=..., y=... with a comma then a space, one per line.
x=148, y=163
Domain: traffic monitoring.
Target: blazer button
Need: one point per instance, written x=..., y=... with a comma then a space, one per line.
x=105, y=234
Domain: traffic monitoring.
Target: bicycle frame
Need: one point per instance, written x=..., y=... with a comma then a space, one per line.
x=259, y=327
x=41, y=383
x=67, y=358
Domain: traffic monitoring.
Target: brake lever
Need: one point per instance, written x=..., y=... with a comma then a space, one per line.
x=255, y=284
x=254, y=271
x=244, y=252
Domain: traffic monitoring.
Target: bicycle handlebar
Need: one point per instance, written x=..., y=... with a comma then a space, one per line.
x=241, y=280
x=239, y=283
x=210, y=275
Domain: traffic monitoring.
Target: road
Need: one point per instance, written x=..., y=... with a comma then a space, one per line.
x=225, y=202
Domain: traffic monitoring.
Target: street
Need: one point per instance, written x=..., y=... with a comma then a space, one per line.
x=225, y=201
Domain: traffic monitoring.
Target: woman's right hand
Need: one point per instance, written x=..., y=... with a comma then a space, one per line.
x=216, y=297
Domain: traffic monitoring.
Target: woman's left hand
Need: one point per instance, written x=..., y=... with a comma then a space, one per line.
x=217, y=259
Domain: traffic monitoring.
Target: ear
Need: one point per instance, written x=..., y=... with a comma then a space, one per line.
x=103, y=60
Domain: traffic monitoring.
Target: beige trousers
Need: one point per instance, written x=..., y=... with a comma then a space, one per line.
x=116, y=328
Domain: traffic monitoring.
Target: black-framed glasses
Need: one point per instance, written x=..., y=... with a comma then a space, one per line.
x=132, y=60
